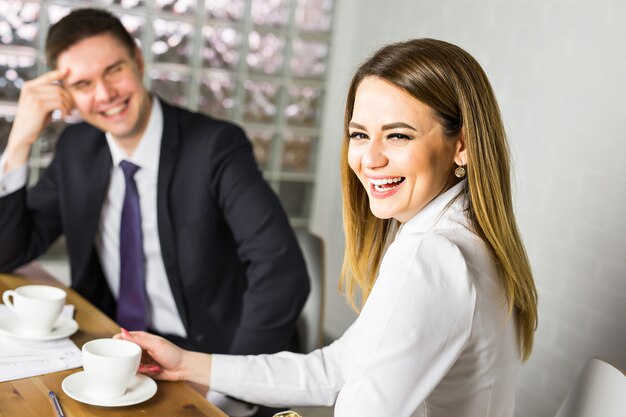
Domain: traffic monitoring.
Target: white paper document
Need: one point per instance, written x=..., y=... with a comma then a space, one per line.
x=24, y=358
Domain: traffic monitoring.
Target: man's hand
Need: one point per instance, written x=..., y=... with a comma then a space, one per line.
x=38, y=99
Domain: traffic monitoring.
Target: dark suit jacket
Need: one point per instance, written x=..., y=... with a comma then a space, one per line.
x=232, y=260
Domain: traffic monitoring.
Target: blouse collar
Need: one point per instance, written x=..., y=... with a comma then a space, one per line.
x=426, y=218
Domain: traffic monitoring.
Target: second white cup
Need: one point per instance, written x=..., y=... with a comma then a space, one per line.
x=37, y=307
x=110, y=366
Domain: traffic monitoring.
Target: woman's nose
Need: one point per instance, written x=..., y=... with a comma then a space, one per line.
x=374, y=156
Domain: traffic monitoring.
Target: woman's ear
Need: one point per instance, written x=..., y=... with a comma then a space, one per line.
x=460, y=154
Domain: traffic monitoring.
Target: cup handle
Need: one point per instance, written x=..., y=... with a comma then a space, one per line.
x=9, y=303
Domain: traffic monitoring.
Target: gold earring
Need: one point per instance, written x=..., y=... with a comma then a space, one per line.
x=460, y=172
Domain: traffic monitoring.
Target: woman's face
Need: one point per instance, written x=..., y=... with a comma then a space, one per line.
x=398, y=151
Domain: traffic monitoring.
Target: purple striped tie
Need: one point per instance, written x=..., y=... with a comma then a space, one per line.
x=131, y=304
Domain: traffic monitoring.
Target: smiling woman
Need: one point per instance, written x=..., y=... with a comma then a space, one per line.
x=444, y=87
x=398, y=151
x=448, y=313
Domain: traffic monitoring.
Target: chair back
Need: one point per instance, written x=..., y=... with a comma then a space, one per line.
x=311, y=322
x=599, y=391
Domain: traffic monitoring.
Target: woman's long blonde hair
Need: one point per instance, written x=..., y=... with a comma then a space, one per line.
x=451, y=82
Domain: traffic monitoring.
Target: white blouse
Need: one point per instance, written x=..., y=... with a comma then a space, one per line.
x=434, y=338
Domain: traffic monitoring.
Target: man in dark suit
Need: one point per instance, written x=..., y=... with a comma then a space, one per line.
x=219, y=271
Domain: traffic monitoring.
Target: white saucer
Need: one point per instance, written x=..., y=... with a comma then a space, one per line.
x=141, y=388
x=63, y=327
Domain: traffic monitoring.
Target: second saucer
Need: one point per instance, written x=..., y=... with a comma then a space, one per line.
x=63, y=327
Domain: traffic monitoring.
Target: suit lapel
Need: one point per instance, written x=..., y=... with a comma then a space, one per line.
x=167, y=234
x=96, y=182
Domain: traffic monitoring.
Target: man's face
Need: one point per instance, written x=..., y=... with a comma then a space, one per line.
x=105, y=82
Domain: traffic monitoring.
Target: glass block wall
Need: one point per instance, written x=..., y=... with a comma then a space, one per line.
x=259, y=63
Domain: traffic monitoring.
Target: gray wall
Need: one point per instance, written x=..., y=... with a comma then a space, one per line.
x=559, y=71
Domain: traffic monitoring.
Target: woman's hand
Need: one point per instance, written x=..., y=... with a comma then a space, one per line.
x=164, y=360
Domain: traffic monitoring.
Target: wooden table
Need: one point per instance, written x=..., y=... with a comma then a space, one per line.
x=28, y=397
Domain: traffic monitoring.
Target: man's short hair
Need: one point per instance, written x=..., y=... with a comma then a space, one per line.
x=81, y=24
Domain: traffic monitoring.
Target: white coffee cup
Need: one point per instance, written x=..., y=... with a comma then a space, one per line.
x=37, y=307
x=110, y=365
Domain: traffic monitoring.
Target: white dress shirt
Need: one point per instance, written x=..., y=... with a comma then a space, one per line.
x=434, y=338
x=13, y=180
x=162, y=313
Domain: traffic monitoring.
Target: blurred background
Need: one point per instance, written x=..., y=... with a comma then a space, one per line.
x=281, y=68
x=260, y=63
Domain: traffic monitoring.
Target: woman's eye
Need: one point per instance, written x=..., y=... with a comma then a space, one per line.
x=358, y=135
x=399, y=136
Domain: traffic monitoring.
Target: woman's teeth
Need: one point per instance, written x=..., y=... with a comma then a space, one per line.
x=386, y=184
